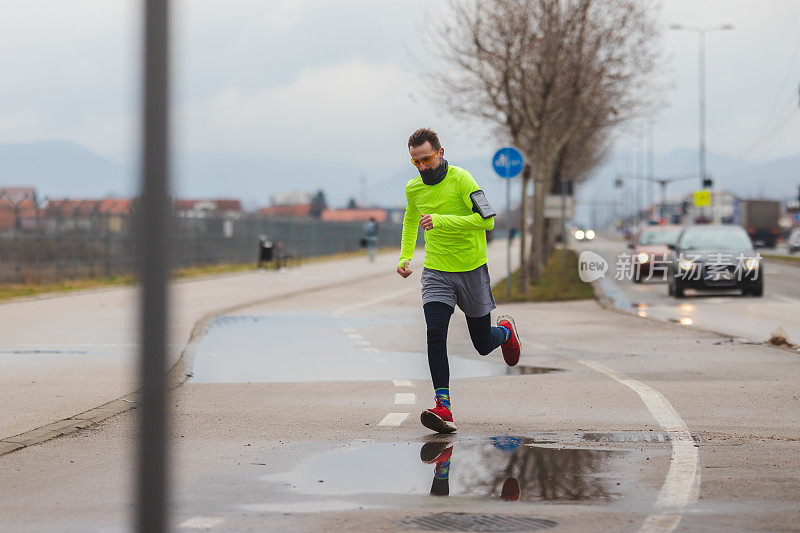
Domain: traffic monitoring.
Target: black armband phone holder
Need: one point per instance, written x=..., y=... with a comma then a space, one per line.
x=481, y=205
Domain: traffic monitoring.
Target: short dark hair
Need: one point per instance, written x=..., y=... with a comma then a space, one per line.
x=423, y=135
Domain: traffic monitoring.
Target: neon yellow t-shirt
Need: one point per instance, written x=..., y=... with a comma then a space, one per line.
x=457, y=242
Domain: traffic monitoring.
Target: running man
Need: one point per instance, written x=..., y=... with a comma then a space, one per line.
x=447, y=203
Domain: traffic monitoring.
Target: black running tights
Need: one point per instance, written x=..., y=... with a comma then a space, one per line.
x=485, y=338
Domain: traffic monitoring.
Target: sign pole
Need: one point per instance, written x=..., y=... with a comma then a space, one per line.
x=507, y=163
x=508, y=248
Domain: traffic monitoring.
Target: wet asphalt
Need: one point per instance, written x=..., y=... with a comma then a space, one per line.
x=726, y=311
x=279, y=427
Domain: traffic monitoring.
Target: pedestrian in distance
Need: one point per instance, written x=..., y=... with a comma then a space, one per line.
x=370, y=238
x=446, y=202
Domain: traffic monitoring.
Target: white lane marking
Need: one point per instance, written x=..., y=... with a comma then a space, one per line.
x=354, y=336
x=402, y=383
x=786, y=299
x=405, y=398
x=348, y=330
x=362, y=343
x=682, y=484
x=202, y=522
x=393, y=419
x=370, y=349
x=373, y=301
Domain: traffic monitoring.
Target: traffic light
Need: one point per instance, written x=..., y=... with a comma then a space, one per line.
x=708, y=183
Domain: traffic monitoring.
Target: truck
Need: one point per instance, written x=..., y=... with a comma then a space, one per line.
x=760, y=218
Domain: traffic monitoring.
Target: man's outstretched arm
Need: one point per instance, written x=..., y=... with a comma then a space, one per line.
x=408, y=241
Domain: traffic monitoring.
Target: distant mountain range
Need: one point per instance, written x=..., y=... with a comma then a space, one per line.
x=63, y=169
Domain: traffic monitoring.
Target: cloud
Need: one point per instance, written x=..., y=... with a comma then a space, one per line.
x=349, y=111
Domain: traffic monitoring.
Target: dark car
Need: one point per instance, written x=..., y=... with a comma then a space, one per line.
x=715, y=257
x=651, y=253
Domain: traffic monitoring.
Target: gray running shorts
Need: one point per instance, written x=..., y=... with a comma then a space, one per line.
x=471, y=291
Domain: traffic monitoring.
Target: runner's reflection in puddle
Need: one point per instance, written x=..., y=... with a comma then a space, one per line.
x=514, y=468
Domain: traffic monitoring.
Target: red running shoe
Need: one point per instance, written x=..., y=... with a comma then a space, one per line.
x=511, y=348
x=436, y=452
x=439, y=419
x=510, y=491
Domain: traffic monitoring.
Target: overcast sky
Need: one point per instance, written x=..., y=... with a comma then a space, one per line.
x=343, y=80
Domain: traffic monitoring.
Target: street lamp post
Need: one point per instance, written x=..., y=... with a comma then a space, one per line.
x=701, y=35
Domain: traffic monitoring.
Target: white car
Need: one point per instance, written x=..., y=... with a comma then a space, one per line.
x=794, y=240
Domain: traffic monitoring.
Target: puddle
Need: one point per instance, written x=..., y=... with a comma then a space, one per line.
x=259, y=349
x=497, y=468
x=615, y=295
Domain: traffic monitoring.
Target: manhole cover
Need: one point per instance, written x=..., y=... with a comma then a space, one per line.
x=477, y=522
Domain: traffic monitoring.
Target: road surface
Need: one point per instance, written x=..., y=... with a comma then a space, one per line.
x=302, y=415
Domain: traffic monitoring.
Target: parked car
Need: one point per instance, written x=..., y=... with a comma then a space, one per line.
x=793, y=241
x=715, y=257
x=651, y=254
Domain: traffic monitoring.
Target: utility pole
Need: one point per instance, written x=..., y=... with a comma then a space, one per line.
x=706, y=182
x=650, y=166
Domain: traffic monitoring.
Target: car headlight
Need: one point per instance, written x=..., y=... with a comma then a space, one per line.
x=580, y=234
x=686, y=264
x=751, y=263
x=590, y=234
x=643, y=257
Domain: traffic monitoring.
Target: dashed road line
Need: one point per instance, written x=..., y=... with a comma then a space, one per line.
x=402, y=383
x=393, y=419
x=405, y=398
x=202, y=522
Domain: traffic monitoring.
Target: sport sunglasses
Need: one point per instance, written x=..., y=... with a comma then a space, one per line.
x=427, y=160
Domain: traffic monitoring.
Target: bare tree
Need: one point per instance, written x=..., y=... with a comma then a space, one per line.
x=553, y=77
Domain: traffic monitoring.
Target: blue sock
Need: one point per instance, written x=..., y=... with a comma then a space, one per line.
x=443, y=395
x=508, y=333
x=442, y=470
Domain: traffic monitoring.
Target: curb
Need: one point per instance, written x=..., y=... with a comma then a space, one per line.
x=178, y=373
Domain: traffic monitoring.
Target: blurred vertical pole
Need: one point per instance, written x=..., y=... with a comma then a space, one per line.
x=508, y=246
x=153, y=232
x=15, y=251
x=650, y=173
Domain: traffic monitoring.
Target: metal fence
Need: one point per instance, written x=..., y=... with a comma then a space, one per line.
x=51, y=246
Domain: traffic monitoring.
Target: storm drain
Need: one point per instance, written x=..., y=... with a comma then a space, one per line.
x=477, y=522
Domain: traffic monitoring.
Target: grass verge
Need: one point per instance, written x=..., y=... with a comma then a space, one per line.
x=558, y=283
x=789, y=259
